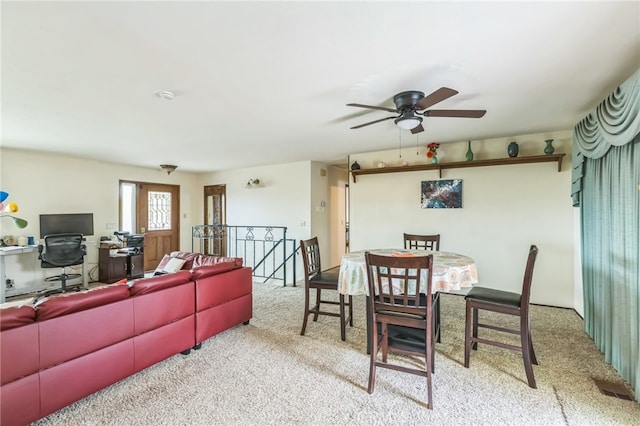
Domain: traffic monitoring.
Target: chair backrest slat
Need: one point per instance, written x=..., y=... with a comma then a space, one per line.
x=424, y=242
x=395, y=283
x=311, y=257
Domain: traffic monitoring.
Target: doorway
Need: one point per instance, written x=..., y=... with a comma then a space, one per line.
x=215, y=213
x=151, y=209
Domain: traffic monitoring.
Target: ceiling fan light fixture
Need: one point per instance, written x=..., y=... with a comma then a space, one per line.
x=408, y=122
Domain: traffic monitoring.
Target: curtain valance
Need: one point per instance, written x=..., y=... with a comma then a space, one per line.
x=616, y=121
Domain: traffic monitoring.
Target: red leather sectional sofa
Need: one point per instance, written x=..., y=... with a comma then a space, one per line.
x=74, y=344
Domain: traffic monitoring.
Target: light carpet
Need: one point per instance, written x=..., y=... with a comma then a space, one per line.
x=265, y=373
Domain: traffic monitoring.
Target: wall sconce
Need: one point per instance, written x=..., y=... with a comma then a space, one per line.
x=252, y=183
x=168, y=168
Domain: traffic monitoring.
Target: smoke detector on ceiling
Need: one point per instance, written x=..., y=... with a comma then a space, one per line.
x=166, y=95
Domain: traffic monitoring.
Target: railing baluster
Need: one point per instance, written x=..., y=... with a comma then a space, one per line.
x=258, y=247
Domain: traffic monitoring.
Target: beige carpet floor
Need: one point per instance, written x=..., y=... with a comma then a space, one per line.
x=265, y=373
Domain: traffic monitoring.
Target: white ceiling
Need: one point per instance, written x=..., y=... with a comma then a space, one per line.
x=268, y=82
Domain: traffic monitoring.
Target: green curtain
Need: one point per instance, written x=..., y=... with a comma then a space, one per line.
x=606, y=186
x=614, y=122
x=611, y=257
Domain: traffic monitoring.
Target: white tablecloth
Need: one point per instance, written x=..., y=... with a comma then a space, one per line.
x=451, y=271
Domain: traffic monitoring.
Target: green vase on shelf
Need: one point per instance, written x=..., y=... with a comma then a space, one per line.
x=434, y=160
x=469, y=154
x=549, y=149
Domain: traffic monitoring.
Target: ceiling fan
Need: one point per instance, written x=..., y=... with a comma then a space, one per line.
x=413, y=104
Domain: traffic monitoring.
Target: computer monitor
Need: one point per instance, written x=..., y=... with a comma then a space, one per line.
x=66, y=223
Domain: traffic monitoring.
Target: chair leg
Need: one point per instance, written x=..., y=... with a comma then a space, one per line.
x=317, y=307
x=429, y=379
x=343, y=321
x=433, y=358
x=306, y=311
x=534, y=360
x=467, y=334
x=474, y=346
x=526, y=351
x=351, y=310
x=373, y=342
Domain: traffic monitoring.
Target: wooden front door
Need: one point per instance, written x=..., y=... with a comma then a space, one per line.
x=158, y=218
x=215, y=212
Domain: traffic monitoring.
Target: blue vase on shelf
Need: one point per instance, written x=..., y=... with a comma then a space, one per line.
x=513, y=149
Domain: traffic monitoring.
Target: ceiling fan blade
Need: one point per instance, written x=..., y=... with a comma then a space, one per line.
x=417, y=129
x=372, y=107
x=437, y=96
x=372, y=122
x=463, y=113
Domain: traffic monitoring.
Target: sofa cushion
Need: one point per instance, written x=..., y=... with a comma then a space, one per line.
x=187, y=256
x=169, y=265
x=159, y=282
x=204, y=260
x=174, y=265
x=16, y=316
x=160, y=268
x=67, y=303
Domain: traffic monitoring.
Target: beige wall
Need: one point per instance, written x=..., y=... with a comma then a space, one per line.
x=290, y=195
x=49, y=183
x=505, y=209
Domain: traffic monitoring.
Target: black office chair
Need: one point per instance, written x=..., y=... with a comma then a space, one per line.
x=61, y=251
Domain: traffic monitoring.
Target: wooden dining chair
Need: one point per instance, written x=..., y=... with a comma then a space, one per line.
x=399, y=306
x=427, y=242
x=503, y=302
x=316, y=278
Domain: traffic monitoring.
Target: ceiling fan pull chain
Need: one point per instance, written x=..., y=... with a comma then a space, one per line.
x=400, y=135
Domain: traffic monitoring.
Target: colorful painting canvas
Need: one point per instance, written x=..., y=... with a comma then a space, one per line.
x=442, y=194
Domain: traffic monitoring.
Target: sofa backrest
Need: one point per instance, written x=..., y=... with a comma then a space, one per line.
x=159, y=282
x=16, y=316
x=196, y=260
x=67, y=303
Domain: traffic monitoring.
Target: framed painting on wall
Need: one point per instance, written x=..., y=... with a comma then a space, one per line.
x=441, y=194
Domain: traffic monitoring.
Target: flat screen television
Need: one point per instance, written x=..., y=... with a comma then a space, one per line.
x=67, y=223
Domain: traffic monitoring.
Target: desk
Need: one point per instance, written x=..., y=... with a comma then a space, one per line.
x=16, y=251
x=451, y=271
x=115, y=265
x=9, y=251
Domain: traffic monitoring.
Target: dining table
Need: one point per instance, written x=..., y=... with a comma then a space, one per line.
x=451, y=272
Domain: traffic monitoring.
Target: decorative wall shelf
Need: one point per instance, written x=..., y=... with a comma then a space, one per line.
x=462, y=164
